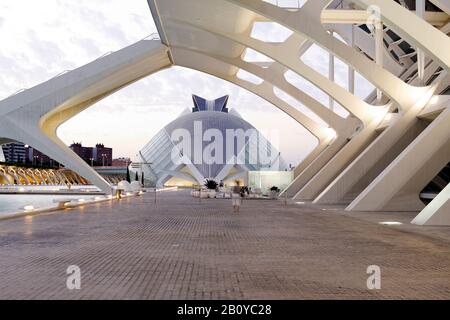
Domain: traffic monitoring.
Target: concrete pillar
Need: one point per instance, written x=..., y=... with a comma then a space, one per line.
x=314, y=167
x=315, y=185
x=372, y=161
x=437, y=213
x=397, y=188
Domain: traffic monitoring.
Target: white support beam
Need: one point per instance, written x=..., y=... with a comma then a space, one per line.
x=351, y=70
x=444, y=5
x=416, y=31
x=34, y=115
x=437, y=213
x=397, y=188
x=397, y=132
x=200, y=61
x=339, y=16
x=331, y=73
x=302, y=22
x=379, y=52
x=420, y=11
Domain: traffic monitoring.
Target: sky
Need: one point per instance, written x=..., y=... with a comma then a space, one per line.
x=41, y=39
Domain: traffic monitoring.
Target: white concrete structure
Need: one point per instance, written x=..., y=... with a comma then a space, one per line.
x=176, y=157
x=380, y=157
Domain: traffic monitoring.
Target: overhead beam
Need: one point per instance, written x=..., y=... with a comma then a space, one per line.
x=444, y=5
x=33, y=116
x=363, y=17
x=332, y=16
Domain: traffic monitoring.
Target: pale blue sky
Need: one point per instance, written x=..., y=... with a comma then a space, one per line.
x=42, y=39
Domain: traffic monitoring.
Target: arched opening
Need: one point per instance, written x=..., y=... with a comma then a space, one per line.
x=134, y=116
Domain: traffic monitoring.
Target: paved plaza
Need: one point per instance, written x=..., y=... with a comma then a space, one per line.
x=184, y=248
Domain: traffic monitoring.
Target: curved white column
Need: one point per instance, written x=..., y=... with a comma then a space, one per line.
x=287, y=57
x=203, y=62
x=199, y=61
x=397, y=188
x=437, y=213
x=444, y=5
x=314, y=185
x=415, y=30
x=307, y=22
x=407, y=97
x=274, y=74
x=34, y=115
x=376, y=157
x=366, y=43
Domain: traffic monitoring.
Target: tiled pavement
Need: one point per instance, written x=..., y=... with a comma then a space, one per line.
x=181, y=248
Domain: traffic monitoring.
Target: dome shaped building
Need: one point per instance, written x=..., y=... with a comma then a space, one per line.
x=208, y=142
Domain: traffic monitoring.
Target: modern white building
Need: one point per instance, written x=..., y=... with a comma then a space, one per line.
x=379, y=157
x=208, y=142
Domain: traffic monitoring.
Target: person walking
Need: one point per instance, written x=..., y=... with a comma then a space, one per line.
x=236, y=197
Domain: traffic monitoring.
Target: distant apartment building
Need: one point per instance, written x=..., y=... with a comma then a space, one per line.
x=84, y=153
x=94, y=156
x=121, y=162
x=14, y=152
x=38, y=158
x=21, y=153
x=102, y=155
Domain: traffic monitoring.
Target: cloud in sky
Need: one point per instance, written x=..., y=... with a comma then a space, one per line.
x=40, y=41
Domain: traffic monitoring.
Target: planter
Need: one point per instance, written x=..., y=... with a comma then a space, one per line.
x=274, y=194
x=211, y=194
x=195, y=194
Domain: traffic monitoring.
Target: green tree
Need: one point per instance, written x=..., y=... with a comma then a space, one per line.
x=128, y=175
